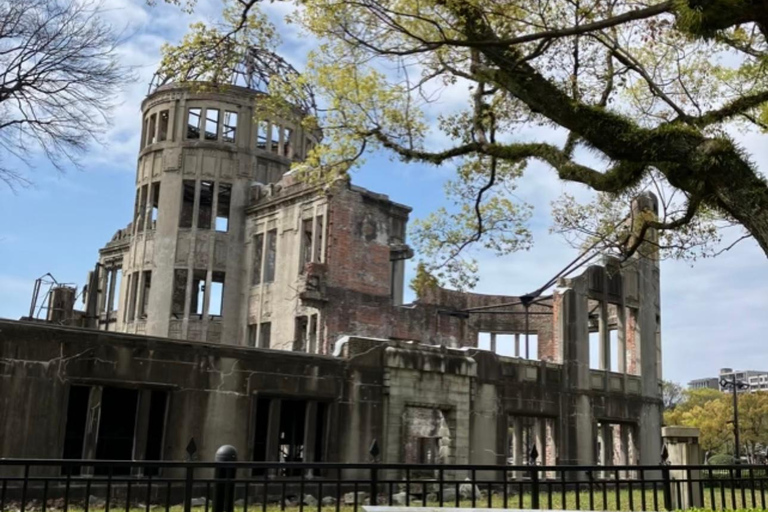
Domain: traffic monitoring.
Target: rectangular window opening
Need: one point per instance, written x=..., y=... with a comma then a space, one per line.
x=198, y=293
x=205, y=208
x=142, y=210
x=319, y=230
x=274, y=145
x=187, y=204
x=117, y=427
x=117, y=281
x=287, y=147
x=162, y=131
x=146, y=285
x=216, y=296
x=193, y=123
x=77, y=416
x=614, y=340
x=260, y=433
x=179, y=292
x=531, y=350
x=154, y=202
x=428, y=448
x=306, y=244
x=151, y=138
x=269, y=270
x=292, y=422
x=265, y=331
x=261, y=134
x=211, y=124
x=594, y=350
x=258, y=256
x=223, y=201
x=230, y=126
x=300, y=334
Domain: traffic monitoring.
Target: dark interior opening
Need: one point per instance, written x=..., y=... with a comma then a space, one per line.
x=322, y=416
x=117, y=426
x=260, y=432
x=77, y=416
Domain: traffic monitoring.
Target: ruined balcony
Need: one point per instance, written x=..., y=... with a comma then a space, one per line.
x=400, y=251
x=312, y=283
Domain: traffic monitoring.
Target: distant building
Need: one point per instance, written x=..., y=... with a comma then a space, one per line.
x=756, y=379
x=706, y=383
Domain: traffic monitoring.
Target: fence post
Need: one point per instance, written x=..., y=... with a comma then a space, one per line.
x=374, y=453
x=534, y=479
x=188, y=489
x=667, y=481
x=374, y=486
x=224, y=490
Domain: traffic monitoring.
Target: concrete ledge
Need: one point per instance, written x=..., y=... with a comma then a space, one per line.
x=677, y=431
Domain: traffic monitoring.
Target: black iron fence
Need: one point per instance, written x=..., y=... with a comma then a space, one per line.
x=115, y=486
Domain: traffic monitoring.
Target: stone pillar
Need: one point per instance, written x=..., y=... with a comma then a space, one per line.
x=517, y=345
x=605, y=434
x=517, y=445
x=683, y=448
x=540, y=431
x=93, y=419
x=142, y=428
x=605, y=338
x=621, y=337
x=571, y=323
x=493, y=342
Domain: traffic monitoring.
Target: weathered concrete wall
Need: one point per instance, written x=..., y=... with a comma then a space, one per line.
x=164, y=245
x=394, y=392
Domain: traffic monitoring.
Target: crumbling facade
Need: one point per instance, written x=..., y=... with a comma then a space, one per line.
x=247, y=307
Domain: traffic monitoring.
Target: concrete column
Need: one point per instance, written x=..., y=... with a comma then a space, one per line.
x=683, y=447
x=605, y=338
x=605, y=434
x=92, y=426
x=620, y=446
x=517, y=445
x=110, y=296
x=540, y=432
x=621, y=337
x=310, y=429
x=571, y=323
x=493, y=342
x=517, y=345
x=104, y=275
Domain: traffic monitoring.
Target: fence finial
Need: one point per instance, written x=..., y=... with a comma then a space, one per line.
x=534, y=455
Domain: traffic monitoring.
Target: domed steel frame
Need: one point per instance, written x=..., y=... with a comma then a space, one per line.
x=254, y=71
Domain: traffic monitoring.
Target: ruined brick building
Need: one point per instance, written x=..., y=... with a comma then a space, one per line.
x=243, y=306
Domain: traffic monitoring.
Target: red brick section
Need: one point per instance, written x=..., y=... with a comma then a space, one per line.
x=633, y=363
x=358, y=249
x=357, y=287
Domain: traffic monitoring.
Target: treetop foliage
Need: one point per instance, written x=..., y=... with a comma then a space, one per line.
x=636, y=95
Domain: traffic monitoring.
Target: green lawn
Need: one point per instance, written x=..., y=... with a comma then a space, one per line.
x=608, y=500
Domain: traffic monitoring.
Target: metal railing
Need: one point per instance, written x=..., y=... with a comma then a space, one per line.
x=114, y=486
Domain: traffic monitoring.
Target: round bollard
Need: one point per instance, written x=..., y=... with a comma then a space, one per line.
x=224, y=496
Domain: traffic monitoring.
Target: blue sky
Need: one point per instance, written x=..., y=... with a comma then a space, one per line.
x=714, y=314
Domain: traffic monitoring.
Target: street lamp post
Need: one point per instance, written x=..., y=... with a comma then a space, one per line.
x=735, y=385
